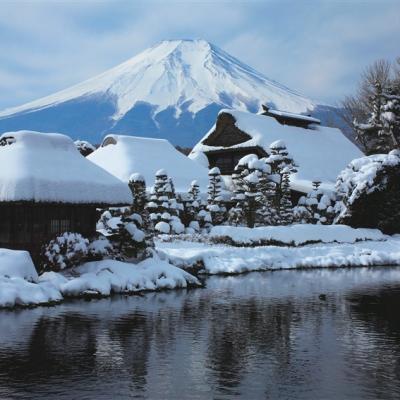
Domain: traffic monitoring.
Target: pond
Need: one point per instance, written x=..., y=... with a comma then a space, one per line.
x=310, y=334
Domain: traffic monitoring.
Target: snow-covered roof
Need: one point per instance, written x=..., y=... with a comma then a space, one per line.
x=320, y=153
x=47, y=167
x=124, y=155
x=288, y=114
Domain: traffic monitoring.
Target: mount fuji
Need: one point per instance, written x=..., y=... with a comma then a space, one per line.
x=172, y=90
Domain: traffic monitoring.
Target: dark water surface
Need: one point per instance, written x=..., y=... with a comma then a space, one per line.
x=268, y=335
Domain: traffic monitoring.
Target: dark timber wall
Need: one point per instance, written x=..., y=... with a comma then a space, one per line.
x=28, y=225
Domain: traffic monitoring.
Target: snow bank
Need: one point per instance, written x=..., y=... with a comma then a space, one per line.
x=48, y=167
x=16, y=291
x=321, y=153
x=20, y=285
x=293, y=234
x=110, y=276
x=124, y=155
x=222, y=259
x=18, y=281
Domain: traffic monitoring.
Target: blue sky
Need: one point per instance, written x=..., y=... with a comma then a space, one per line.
x=314, y=46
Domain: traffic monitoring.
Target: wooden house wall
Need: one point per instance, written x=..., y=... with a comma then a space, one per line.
x=27, y=226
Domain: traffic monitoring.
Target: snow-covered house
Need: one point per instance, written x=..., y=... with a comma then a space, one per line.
x=124, y=155
x=47, y=187
x=320, y=152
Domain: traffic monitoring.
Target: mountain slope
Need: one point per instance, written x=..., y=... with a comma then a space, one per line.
x=172, y=90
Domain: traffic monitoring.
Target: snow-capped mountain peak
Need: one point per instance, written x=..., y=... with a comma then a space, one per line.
x=174, y=72
x=174, y=88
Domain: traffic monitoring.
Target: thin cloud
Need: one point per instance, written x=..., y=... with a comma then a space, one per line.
x=317, y=48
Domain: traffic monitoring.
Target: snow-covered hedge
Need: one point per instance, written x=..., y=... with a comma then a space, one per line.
x=293, y=235
x=369, y=189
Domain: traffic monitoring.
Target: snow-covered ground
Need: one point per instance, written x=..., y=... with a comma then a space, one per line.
x=294, y=234
x=20, y=285
x=224, y=259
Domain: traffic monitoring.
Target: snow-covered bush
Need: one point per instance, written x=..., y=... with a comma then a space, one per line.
x=205, y=220
x=84, y=147
x=317, y=207
x=67, y=250
x=369, y=193
x=100, y=248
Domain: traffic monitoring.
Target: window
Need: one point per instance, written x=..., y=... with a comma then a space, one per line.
x=60, y=226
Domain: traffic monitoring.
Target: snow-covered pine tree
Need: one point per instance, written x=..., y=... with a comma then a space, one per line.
x=282, y=166
x=192, y=207
x=374, y=134
x=266, y=215
x=286, y=207
x=194, y=191
x=390, y=116
x=163, y=202
x=215, y=204
x=249, y=178
x=137, y=185
x=124, y=229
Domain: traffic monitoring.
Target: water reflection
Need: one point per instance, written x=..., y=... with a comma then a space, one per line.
x=261, y=335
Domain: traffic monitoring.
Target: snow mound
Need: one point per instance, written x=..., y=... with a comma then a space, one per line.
x=321, y=153
x=47, y=167
x=124, y=155
x=294, y=234
x=19, y=281
x=110, y=276
x=17, y=263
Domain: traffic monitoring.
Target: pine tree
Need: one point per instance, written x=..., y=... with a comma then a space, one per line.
x=249, y=179
x=282, y=166
x=192, y=207
x=286, y=207
x=380, y=133
x=317, y=207
x=124, y=229
x=215, y=202
x=163, y=203
x=137, y=185
x=390, y=116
